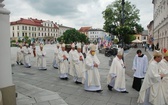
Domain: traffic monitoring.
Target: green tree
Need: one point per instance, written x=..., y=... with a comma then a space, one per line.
x=71, y=36
x=113, y=19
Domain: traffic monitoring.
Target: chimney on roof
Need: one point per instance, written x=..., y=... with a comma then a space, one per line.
x=21, y=18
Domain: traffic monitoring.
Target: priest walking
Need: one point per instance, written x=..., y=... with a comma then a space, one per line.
x=140, y=64
x=26, y=53
x=64, y=63
x=56, y=60
x=41, y=59
x=153, y=90
x=92, y=76
x=19, y=60
x=116, y=76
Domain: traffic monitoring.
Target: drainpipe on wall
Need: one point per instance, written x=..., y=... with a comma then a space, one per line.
x=1, y=103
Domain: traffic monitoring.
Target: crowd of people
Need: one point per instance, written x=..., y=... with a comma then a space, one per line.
x=81, y=62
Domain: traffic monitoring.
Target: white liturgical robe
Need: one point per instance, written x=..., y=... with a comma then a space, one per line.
x=140, y=65
x=116, y=76
x=41, y=60
x=26, y=54
x=20, y=56
x=56, y=60
x=80, y=66
x=64, y=64
x=73, y=58
x=92, y=76
x=154, y=86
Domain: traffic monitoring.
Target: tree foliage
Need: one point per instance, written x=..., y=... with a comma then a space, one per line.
x=72, y=35
x=113, y=19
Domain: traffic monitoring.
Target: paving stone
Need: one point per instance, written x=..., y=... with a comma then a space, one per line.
x=47, y=98
x=58, y=102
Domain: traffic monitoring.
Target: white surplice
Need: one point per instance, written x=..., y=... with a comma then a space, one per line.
x=153, y=87
x=64, y=64
x=79, y=68
x=140, y=65
x=92, y=76
x=26, y=55
x=73, y=58
x=56, y=60
x=116, y=76
x=20, y=56
x=41, y=60
x=164, y=66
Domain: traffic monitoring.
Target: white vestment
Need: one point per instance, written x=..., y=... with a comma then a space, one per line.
x=41, y=60
x=56, y=60
x=155, y=85
x=73, y=58
x=26, y=54
x=20, y=55
x=164, y=66
x=140, y=65
x=64, y=64
x=79, y=68
x=92, y=76
x=116, y=76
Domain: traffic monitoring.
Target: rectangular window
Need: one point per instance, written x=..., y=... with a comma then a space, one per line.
x=13, y=27
x=13, y=35
x=22, y=27
x=39, y=34
x=25, y=27
x=17, y=27
x=22, y=34
x=32, y=28
x=18, y=34
x=29, y=28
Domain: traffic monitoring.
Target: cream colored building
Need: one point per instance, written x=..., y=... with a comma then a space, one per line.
x=150, y=27
x=36, y=29
x=161, y=23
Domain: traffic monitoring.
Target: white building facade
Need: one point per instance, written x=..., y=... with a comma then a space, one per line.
x=161, y=23
x=95, y=34
x=36, y=29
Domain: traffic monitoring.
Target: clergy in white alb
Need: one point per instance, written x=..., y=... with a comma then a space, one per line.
x=140, y=64
x=73, y=58
x=26, y=56
x=19, y=59
x=116, y=76
x=92, y=76
x=41, y=59
x=152, y=90
x=79, y=66
x=85, y=49
x=164, y=66
x=64, y=63
x=56, y=60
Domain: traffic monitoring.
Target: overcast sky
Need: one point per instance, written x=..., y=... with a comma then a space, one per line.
x=72, y=13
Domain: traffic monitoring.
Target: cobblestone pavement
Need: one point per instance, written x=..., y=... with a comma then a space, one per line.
x=67, y=92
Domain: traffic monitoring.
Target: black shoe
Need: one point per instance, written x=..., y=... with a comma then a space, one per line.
x=56, y=67
x=21, y=63
x=17, y=62
x=124, y=92
x=78, y=82
x=99, y=91
x=66, y=78
x=110, y=87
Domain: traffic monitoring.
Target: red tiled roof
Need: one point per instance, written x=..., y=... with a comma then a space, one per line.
x=30, y=21
x=84, y=29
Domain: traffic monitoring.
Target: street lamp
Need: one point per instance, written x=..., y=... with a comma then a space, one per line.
x=122, y=21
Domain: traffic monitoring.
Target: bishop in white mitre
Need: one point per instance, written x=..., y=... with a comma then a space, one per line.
x=116, y=76
x=92, y=76
x=79, y=66
x=73, y=58
x=56, y=60
x=154, y=87
x=19, y=59
x=41, y=59
x=64, y=63
x=26, y=56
